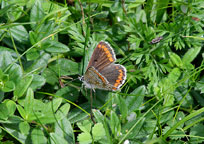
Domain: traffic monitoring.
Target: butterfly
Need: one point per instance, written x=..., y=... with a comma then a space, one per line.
x=102, y=72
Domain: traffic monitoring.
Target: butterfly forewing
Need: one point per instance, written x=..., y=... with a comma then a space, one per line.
x=102, y=56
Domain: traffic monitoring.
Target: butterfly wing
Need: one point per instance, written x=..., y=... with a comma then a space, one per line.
x=115, y=75
x=102, y=56
x=93, y=79
x=101, y=72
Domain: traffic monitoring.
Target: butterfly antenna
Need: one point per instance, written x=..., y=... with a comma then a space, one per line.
x=67, y=78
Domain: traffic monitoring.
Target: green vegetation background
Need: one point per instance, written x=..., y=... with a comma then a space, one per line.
x=160, y=42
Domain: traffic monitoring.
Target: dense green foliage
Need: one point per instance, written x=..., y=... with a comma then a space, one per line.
x=158, y=41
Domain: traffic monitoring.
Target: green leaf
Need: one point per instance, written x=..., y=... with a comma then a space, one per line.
x=5, y=60
x=39, y=64
x=198, y=131
x=32, y=54
x=84, y=138
x=38, y=136
x=15, y=73
x=115, y=124
x=65, y=67
x=135, y=100
x=69, y=93
x=176, y=59
x=63, y=128
x=19, y=33
x=8, y=86
x=13, y=129
x=190, y=55
x=162, y=6
x=123, y=106
x=11, y=106
x=134, y=133
x=37, y=14
x=63, y=111
x=4, y=112
x=55, y=47
x=23, y=86
x=85, y=126
x=98, y=131
x=57, y=139
x=24, y=127
x=37, y=82
x=21, y=111
x=29, y=100
x=50, y=76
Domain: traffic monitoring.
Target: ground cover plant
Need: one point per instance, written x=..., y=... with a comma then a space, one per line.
x=45, y=45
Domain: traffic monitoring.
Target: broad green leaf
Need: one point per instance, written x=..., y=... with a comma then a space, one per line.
x=198, y=131
x=23, y=86
x=101, y=119
x=115, y=124
x=29, y=100
x=38, y=136
x=37, y=14
x=12, y=120
x=22, y=112
x=75, y=33
x=69, y=93
x=98, y=131
x=85, y=126
x=4, y=112
x=54, y=104
x=5, y=60
x=84, y=138
x=65, y=67
x=37, y=82
x=13, y=129
x=55, y=47
x=24, y=127
x=64, y=128
x=116, y=7
x=134, y=133
x=8, y=86
x=32, y=54
x=50, y=76
x=123, y=106
x=15, y=73
x=77, y=114
x=19, y=33
x=11, y=106
x=135, y=100
x=63, y=111
x=190, y=55
x=57, y=139
x=39, y=64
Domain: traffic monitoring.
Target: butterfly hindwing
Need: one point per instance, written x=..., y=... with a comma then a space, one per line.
x=115, y=75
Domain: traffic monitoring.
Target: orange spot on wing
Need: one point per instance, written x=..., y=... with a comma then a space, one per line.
x=120, y=78
x=114, y=88
x=111, y=59
x=100, y=76
x=99, y=45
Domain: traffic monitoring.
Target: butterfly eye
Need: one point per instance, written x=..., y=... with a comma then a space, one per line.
x=81, y=78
